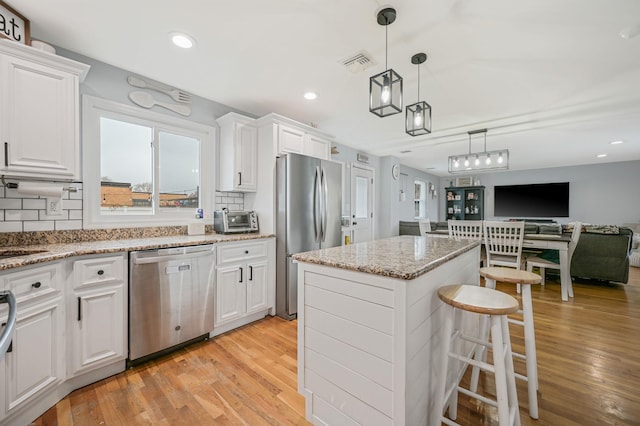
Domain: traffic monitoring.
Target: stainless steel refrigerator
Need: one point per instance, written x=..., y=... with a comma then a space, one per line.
x=309, y=208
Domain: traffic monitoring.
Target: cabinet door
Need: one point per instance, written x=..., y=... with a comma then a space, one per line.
x=246, y=158
x=36, y=360
x=317, y=147
x=39, y=113
x=230, y=293
x=257, y=284
x=290, y=140
x=98, y=328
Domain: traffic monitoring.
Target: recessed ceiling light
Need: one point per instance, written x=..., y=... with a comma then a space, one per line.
x=182, y=40
x=616, y=142
x=601, y=155
x=310, y=96
x=630, y=32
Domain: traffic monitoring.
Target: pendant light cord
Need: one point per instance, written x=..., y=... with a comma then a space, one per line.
x=418, y=82
x=386, y=45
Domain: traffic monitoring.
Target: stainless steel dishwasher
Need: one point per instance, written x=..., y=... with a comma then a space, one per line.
x=170, y=298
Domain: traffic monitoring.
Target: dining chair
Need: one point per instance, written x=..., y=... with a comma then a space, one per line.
x=543, y=264
x=469, y=229
x=503, y=243
x=425, y=226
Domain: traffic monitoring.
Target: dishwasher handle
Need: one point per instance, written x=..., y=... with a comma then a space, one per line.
x=5, y=339
x=167, y=257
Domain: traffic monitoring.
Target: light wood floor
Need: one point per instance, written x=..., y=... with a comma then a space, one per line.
x=588, y=360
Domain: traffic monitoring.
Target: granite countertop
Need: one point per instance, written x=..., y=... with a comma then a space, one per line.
x=405, y=257
x=22, y=255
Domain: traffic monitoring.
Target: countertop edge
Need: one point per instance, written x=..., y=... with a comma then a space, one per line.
x=52, y=252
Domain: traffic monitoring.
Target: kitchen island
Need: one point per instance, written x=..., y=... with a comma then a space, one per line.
x=369, y=324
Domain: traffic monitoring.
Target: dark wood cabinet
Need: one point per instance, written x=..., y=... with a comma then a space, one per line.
x=465, y=203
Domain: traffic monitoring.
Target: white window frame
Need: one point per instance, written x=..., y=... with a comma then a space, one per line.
x=422, y=200
x=92, y=110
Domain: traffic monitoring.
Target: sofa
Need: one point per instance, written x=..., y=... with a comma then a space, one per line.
x=603, y=252
x=634, y=258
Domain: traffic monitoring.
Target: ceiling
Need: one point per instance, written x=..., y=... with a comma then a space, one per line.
x=552, y=81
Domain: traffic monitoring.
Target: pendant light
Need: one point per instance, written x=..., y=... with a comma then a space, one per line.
x=418, y=117
x=479, y=161
x=385, y=89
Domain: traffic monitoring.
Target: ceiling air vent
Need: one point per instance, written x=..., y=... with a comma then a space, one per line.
x=358, y=62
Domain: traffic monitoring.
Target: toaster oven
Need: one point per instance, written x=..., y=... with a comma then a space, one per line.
x=228, y=222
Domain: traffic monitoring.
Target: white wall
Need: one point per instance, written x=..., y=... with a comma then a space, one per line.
x=600, y=194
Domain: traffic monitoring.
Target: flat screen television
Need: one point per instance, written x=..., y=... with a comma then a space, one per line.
x=533, y=200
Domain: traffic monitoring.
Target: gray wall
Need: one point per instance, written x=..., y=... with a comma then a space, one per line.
x=408, y=176
x=599, y=194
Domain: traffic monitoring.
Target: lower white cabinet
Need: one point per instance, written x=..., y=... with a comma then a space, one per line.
x=245, y=281
x=97, y=322
x=35, y=362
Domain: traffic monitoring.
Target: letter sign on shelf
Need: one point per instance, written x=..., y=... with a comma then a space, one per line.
x=13, y=25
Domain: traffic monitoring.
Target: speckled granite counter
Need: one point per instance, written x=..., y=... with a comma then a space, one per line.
x=405, y=257
x=22, y=255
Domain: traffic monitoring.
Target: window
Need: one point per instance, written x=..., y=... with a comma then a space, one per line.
x=420, y=199
x=141, y=168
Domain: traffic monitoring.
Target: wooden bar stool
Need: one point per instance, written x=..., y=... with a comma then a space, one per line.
x=525, y=279
x=497, y=306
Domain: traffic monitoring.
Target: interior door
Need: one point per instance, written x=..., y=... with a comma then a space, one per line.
x=361, y=203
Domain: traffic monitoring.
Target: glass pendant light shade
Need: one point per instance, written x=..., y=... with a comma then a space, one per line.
x=418, y=115
x=385, y=93
x=385, y=89
x=418, y=119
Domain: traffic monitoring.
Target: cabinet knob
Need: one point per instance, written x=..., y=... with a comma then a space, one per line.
x=246, y=252
x=100, y=272
x=36, y=284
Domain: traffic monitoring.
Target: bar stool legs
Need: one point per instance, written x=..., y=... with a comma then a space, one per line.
x=496, y=307
x=525, y=279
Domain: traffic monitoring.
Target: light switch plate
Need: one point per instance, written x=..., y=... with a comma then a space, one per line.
x=54, y=206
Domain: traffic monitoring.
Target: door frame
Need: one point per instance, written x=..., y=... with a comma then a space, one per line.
x=372, y=198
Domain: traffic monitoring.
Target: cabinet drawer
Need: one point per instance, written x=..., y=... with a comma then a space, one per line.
x=34, y=282
x=99, y=270
x=241, y=251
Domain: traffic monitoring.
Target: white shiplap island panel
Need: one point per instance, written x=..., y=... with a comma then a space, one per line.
x=368, y=328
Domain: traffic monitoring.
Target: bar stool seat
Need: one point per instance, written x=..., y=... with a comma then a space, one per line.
x=496, y=305
x=524, y=279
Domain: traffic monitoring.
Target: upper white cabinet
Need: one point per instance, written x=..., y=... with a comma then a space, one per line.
x=290, y=136
x=39, y=113
x=238, y=153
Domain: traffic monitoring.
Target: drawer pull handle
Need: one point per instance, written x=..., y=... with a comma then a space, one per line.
x=79, y=308
x=36, y=284
x=240, y=275
x=100, y=272
x=246, y=252
x=250, y=273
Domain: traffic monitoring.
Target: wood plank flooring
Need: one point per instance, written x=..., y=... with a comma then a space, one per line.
x=588, y=360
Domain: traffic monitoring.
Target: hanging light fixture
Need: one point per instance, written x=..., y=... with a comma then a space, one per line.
x=479, y=161
x=385, y=89
x=418, y=118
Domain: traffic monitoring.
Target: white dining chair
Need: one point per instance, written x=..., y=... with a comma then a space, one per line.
x=503, y=243
x=469, y=229
x=425, y=226
x=543, y=264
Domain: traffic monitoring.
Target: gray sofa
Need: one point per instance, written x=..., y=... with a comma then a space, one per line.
x=597, y=256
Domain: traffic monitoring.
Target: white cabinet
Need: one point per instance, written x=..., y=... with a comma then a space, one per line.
x=287, y=135
x=97, y=317
x=245, y=282
x=238, y=153
x=35, y=363
x=39, y=113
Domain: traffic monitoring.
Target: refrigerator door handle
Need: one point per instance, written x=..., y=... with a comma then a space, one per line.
x=325, y=199
x=316, y=206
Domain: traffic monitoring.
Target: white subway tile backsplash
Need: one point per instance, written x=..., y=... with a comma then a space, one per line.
x=11, y=226
x=44, y=225
x=11, y=215
x=42, y=215
x=72, y=204
x=74, y=214
x=61, y=225
x=34, y=204
x=10, y=203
